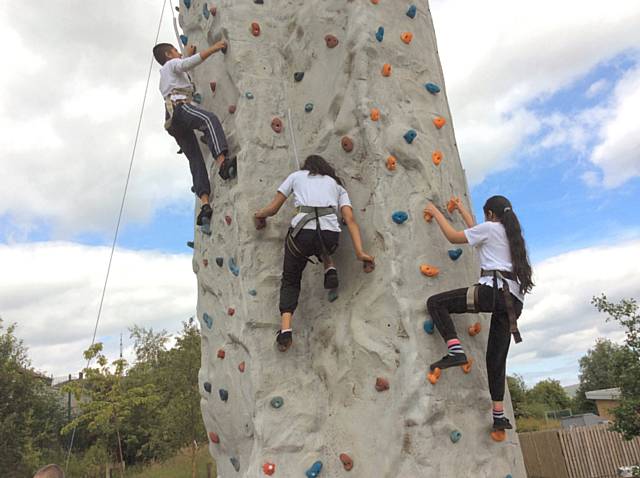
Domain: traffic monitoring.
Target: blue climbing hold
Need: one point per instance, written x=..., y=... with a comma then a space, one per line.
x=248, y=95
x=411, y=13
x=508, y=476
x=315, y=470
x=197, y=97
x=207, y=320
x=399, y=217
x=277, y=402
x=455, y=436
x=428, y=326
x=233, y=267
x=219, y=261
x=380, y=34
x=410, y=135
x=205, y=11
x=432, y=88
x=253, y=292
x=187, y=3
x=454, y=254
x=184, y=39
x=235, y=463
x=191, y=244
x=207, y=387
x=224, y=395
x=308, y=107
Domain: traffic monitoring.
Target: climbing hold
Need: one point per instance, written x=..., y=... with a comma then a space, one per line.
x=346, y=460
x=268, y=468
x=391, y=163
x=452, y=205
x=298, y=75
x=498, y=435
x=191, y=244
x=347, y=144
x=410, y=135
x=232, y=109
x=219, y=261
x=308, y=107
x=255, y=29
x=432, y=88
x=235, y=270
x=227, y=219
x=212, y=85
x=399, y=217
x=205, y=262
x=368, y=266
x=436, y=157
x=382, y=384
x=207, y=320
x=427, y=216
x=434, y=376
x=508, y=476
x=331, y=41
x=455, y=436
x=428, y=326
x=276, y=125
x=277, y=402
x=475, y=329
x=315, y=470
x=375, y=2
x=207, y=387
x=466, y=367
x=187, y=3
x=221, y=354
x=375, y=114
x=411, y=12
x=454, y=254
x=231, y=311
x=224, y=395
x=248, y=95
x=406, y=37
x=213, y=436
x=241, y=366
x=386, y=69
x=205, y=11
x=332, y=296
x=429, y=271
x=235, y=463
x=258, y=2
x=253, y=292
x=439, y=122
x=380, y=34
x=197, y=97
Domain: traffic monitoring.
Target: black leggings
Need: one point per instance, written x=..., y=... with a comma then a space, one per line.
x=455, y=301
x=308, y=243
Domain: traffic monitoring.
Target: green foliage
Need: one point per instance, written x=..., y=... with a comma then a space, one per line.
x=518, y=392
x=550, y=394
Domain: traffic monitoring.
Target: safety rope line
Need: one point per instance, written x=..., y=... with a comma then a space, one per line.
x=293, y=138
x=115, y=236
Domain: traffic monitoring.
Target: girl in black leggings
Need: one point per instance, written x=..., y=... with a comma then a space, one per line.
x=504, y=280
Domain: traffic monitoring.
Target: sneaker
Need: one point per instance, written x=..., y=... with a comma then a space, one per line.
x=228, y=168
x=331, y=279
x=205, y=215
x=502, y=424
x=453, y=360
x=284, y=340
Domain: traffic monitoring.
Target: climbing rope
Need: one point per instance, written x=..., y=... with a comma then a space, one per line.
x=115, y=236
x=293, y=138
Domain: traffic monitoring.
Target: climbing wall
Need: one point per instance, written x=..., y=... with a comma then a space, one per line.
x=359, y=82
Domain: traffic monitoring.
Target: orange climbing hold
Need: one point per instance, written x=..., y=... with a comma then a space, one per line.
x=269, y=468
x=439, y=122
x=427, y=216
x=241, y=367
x=347, y=144
x=346, y=460
x=466, y=368
x=255, y=29
x=386, y=69
x=436, y=157
x=213, y=436
x=498, y=435
x=375, y=114
x=391, y=163
x=382, y=384
x=375, y=2
x=429, y=271
x=406, y=37
x=276, y=125
x=475, y=329
x=434, y=376
x=221, y=354
x=452, y=205
x=331, y=41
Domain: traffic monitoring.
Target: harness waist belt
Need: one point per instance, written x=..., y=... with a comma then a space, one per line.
x=311, y=213
x=170, y=104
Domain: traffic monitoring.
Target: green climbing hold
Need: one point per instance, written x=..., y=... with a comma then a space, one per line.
x=454, y=254
x=233, y=267
x=411, y=12
x=380, y=34
x=248, y=95
x=399, y=217
x=197, y=97
x=428, y=326
x=207, y=320
x=184, y=39
x=224, y=395
x=205, y=11
x=455, y=436
x=333, y=295
x=315, y=470
x=308, y=107
x=191, y=244
x=253, y=292
x=219, y=261
x=207, y=387
x=298, y=75
x=235, y=463
x=432, y=88
x=410, y=135
x=277, y=402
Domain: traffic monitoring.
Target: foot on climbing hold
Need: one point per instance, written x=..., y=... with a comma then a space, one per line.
x=221, y=354
x=191, y=244
x=331, y=41
x=392, y=163
x=219, y=261
x=248, y=95
x=455, y=436
x=368, y=266
x=502, y=423
x=227, y=219
x=406, y=37
x=277, y=402
x=454, y=254
x=197, y=98
x=235, y=270
x=453, y=360
x=207, y=387
x=475, y=329
x=332, y=296
x=212, y=85
x=184, y=39
x=213, y=436
x=382, y=384
x=331, y=279
x=439, y=122
x=432, y=88
x=253, y=292
x=380, y=34
x=498, y=435
x=224, y=395
x=410, y=135
x=268, y=468
x=429, y=271
x=232, y=109
x=411, y=12
x=241, y=367
x=375, y=114
x=235, y=463
x=347, y=462
x=315, y=470
x=428, y=326
x=206, y=318
x=386, y=69
x=284, y=340
x=276, y=125
x=452, y=205
x=228, y=168
x=436, y=157
x=399, y=217
x=255, y=29
x=308, y=107
x=434, y=375
x=298, y=75
x=205, y=215
x=347, y=144
x=231, y=311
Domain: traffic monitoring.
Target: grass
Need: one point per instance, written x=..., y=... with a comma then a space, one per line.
x=178, y=467
x=536, y=424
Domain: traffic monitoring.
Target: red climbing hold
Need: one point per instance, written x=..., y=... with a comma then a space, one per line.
x=255, y=29
x=214, y=437
x=375, y=114
x=452, y=205
x=347, y=144
x=227, y=219
x=368, y=266
x=347, y=462
x=382, y=384
x=434, y=376
x=205, y=262
x=269, y=468
x=386, y=69
x=391, y=163
x=276, y=125
x=429, y=271
x=439, y=122
x=436, y=157
x=406, y=37
x=375, y=2
x=241, y=366
x=331, y=41
x=212, y=85
x=221, y=354
x=232, y=109
x=213, y=11
x=231, y=311
x=475, y=329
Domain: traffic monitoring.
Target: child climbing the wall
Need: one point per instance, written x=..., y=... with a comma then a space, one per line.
x=505, y=278
x=182, y=117
x=318, y=196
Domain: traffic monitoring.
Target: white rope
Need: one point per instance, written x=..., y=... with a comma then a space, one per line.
x=293, y=138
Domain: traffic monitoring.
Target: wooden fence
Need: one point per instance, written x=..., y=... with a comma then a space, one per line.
x=580, y=452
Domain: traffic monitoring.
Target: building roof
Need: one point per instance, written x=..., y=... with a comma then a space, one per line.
x=604, y=394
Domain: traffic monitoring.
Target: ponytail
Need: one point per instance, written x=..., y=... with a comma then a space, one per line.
x=502, y=209
x=317, y=165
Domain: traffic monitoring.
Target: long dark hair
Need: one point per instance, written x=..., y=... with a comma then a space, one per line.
x=502, y=209
x=318, y=165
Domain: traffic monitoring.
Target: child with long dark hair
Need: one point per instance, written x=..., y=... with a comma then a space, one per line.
x=318, y=195
x=505, y=278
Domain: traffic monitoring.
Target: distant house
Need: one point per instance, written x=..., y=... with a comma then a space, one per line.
x=605, y=399
x=584, y=420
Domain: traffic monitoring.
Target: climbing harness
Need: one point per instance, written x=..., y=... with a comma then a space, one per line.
x=310, y=213
x=170, y=105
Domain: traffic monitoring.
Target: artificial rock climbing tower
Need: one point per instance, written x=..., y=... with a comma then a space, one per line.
x=364, y=87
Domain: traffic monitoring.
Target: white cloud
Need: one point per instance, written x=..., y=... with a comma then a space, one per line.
x=52, y=291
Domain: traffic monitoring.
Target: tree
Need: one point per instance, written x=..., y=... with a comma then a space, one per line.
x=147, y=344
x=549, y=393
x=518, y=391
x=627, y=414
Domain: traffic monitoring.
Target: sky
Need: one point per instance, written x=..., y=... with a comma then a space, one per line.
x=544, y=95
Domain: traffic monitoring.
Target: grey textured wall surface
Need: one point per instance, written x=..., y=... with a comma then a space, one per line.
x=375, y=328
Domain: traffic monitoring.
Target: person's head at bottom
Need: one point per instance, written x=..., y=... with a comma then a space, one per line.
x=50, y=471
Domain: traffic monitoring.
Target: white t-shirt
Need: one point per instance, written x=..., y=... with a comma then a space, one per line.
x=315, y=191
x=173, y=74
x=490, y=240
